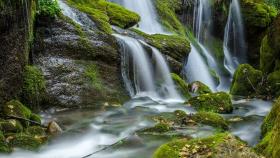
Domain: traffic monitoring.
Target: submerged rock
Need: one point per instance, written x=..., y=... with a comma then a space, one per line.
x=213, y=102
x=219, y=145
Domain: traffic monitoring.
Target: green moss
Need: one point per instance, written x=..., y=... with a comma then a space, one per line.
x=34, y=87
x=16, y=108
x=35, y=117
x=92, y=73
x=11, y=125
x=105, y=13
x=181, y=84
x=212, y=119
x=246, y=81
x=48, y=8
x=213, y=102
x=35, y=131
x=3, y=144
x=267, y=57
x=25, y=141
x=179, y=147
x=174, y=46
x=257, y=14
x=167, y=13
x=274, y=83
x=198, y=87
x=158, y=128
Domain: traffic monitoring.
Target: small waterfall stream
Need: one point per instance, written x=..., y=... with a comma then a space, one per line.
x=234, y=39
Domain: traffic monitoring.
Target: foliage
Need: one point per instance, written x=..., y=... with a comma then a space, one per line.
x=275, y=3
x=92, y=73
x=48, y=8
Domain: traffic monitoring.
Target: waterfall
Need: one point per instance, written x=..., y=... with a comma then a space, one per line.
x=149, y=19
x=201, y=27
x=234, y=39
x=197, y=70
x=145, y=79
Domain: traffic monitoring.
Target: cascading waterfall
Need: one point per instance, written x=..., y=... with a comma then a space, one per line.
x=149, y=22
x=234, y=39
x=201, y=27
x=142, y=81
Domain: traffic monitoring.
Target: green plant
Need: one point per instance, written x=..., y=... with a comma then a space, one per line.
x=48, y=8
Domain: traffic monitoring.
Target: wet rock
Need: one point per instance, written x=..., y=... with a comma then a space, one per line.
x=53, y=128
x=214, y=102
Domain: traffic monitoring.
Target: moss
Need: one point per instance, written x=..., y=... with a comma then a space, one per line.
x=171, y=149
x=34, y=87
x=246, y=81
x=48, y=8
x=198, y=87
x=3, y=144
x=158, y=128
x=174, y=46
x=25, y=141
x=274, y=83
x=35, y=131
x=92, y=73
x=105, y=13
x=11, y=125
x=167, y=13
x=257, y=14
x=267, y=57
x=213, y=102
x=16, y=108
x=212, y=119
x=181, y=84
x=35, y=117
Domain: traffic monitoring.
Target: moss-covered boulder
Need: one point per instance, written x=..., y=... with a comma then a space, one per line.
x=219, y=145
x=34, y=88
x=267, y=56
x=269, y=145
x=105, y=13
x=25, y=141
x=182, y=85
x=213, y=102
x=274, y=83
x=10, y=126
x=198, y=88
x=158, y=128
x=17, y=109
x=211, y=119
x=4, y=148
x=247, y=81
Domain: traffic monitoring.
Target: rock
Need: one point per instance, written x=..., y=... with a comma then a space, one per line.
x=219, y=145
x=257, y=16
x=54, y=128
x=213, y=102
x=211, y=119
x=274, y=83
x=247, y=81
x=181, y=85
x=158, y=128
x=17, y=109
x=25, y=141
x=269, y=145
x=198, y=88
x=36, y=131
x=11, y=126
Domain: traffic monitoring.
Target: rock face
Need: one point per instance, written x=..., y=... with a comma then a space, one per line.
x=257, y=16
x=81, y=66
x=16, y=26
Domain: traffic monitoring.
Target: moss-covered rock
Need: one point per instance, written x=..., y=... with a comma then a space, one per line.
x=213, y=102
x=174, y=46
x=10, y=126
x=17, y=109
x=181, y=85
x=211, y=119
x=219, y=145
x=105, y=13
x=34, y=88
x=158, y=128
x=36, y=118
x=269, y=145
x=35, y=131
x=3, y=144
x=25, y=141
x=247, y=81
x=267, y=57
x=167, y=12
x=274, y=83
x=198, y=88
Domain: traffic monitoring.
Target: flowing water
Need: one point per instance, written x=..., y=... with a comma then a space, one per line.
x=234, y=39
